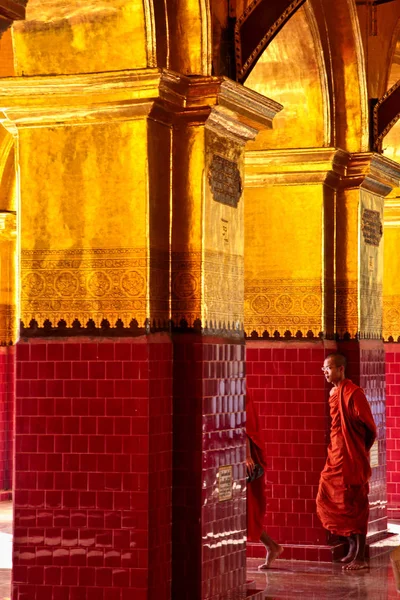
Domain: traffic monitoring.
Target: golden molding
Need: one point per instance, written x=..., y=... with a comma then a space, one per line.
x=282, y=305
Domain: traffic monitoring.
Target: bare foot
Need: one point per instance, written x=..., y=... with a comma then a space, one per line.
x=272, y=554
x=356, y=565
x=347, y=559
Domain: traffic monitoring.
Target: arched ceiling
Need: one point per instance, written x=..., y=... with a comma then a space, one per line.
x=291, y=71
x=391, y=142
x=378, y=31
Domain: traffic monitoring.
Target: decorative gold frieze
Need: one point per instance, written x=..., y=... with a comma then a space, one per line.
x=210, y=290
x=391, y=318
x=346, y=308
x=84, y=284
x=283, y=305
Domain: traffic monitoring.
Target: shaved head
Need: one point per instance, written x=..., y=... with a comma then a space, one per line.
x=339, y=359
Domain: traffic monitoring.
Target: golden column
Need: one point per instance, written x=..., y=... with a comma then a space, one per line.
x=210, y=121
x=359, y=262
x=366, y=180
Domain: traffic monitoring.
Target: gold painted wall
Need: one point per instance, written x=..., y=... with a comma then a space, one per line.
x=83, y=37
x=84, y=230
x=391, y=284
x=284, y=259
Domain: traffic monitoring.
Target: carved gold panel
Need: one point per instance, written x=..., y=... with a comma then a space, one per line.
x=84, y=284
x=347, y=295
x=283, y=305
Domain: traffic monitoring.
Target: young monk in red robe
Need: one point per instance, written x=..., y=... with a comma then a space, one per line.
x=256, y=500
x=342, y=501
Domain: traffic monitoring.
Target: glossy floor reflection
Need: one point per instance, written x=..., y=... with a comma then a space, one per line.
x=288, y=580
x=5, y=549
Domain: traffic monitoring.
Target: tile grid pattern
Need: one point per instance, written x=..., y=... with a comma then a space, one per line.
x=7, y=370
x=292, y=398
x=392, y=355
x=209, y=535
x=288, y=388
x=84, y=512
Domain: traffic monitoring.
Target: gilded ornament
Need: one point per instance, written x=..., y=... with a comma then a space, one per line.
x=371, y=226
x=311, y=304
x=284, y=304
x=33, y=284
x=261, y=304
x=99, y=284
x=225, y=181
x=66, y=284
x=392, y=315
x=133, y=283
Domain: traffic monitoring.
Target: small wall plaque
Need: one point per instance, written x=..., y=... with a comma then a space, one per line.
x=225, y=483
x=374, y=455
x=225, y=181
x=371, y=226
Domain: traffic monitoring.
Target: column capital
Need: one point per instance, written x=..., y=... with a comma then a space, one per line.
x=372, y=172
x=239, y=111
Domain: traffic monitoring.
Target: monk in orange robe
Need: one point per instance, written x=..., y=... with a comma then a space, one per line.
x=256, y=500
x=342, y=501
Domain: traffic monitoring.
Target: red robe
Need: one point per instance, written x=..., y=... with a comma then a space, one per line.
x=342, y=501
x=256, y=499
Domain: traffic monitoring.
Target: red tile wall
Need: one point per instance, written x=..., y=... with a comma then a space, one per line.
x=393, y=428
x=7, y=389
x=93, y=470
x=291, y=395
x=209, y=543
x=289, y=390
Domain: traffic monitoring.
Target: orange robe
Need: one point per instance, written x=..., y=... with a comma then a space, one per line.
x=342, y=501
x=256, y=499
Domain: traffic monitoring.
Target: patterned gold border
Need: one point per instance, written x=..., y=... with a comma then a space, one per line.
x=281, y=305
x=84, y=284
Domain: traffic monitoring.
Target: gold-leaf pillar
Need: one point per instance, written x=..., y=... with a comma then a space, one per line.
x=211, y=120
x=366, y=181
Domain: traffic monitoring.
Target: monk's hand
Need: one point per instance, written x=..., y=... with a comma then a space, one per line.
x=249, y=466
